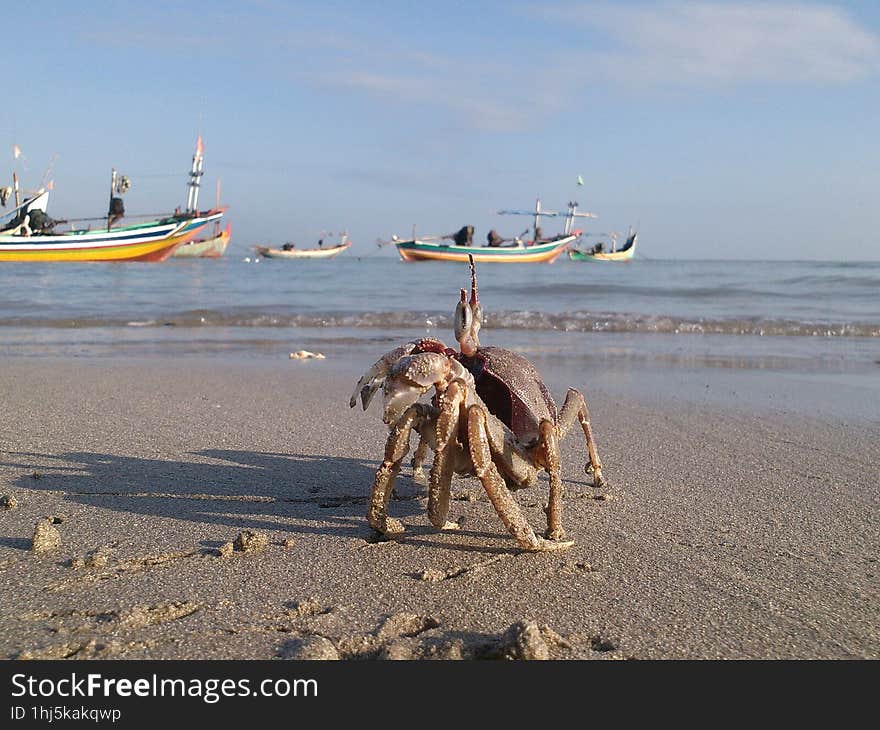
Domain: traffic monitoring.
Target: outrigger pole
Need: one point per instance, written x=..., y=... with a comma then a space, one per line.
x=538, y=212
x=536, y=215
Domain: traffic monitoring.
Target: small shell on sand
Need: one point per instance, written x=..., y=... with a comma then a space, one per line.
x=306, y=355
x=46, y=537
x=8, y=502
x=225, y=550
x=250, y=541
x=289, y=542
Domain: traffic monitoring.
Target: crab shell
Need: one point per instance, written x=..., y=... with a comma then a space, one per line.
x=512, y=390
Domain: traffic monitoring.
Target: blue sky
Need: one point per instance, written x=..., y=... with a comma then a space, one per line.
x=723, y=129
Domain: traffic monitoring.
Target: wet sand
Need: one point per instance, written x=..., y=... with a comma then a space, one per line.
x=730, y=529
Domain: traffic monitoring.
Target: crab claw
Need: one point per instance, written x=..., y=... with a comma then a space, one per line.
x=373, y=379
x=410, y=377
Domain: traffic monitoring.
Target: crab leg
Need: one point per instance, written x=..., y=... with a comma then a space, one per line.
x=396, y=448
x=549, y=445
x=576, y=406
x=418, y=460
x=505, y=505
x=440, y=481
x=509, y=456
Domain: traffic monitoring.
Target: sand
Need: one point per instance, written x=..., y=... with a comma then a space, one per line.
x=730, y=528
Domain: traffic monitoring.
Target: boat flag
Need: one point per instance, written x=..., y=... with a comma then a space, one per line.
x=580, y=180
x=50, y=185
x=16, y=152
x=199, y=147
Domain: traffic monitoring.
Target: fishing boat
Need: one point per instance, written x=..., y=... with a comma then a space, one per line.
x=205, y=248
x=516, y=250
x=212, y=247
x=27, y=233
x=303, y=253
x=624, y=253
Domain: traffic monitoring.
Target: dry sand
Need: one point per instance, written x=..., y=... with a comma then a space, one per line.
x=726, y=531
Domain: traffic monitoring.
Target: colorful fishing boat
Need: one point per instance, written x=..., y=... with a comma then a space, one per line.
x=28, y=233
x=516, y=250
x=303, y=253
x=205, y=248
x=624, y=253
x=528, y=252
x=152, y=241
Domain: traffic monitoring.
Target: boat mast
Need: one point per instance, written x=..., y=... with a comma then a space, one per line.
x=217, y=222
x=15, y=189
x=572, y=214
x=537, y=222
x=195, y=174
x=112, y=190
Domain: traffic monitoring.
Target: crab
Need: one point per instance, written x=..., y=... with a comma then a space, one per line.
x=490, y=416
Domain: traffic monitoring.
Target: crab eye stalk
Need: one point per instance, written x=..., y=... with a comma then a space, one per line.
x=463, y=320
x=466, y=326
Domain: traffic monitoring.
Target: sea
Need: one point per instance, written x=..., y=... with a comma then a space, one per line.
x=818, y=321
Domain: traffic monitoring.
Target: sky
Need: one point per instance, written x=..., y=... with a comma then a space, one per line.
x=722, y=130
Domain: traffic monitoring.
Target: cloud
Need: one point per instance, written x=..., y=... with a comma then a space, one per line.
x=547, y=56
x=474, y=92
x=474, y=103
x=679, y=43
x=651, y=44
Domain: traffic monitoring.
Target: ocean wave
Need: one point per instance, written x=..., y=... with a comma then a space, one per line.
x=678, y=293
x=575, y=321
x=854, y=282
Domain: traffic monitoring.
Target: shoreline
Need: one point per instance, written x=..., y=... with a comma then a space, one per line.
x=733, y=527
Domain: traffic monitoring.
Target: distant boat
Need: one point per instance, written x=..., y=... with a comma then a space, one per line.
x=538, y=250
x=624, y=253
x=303, y=253
x=205, y=248
x=544, y=251
x=150, y=241
x=27, y=233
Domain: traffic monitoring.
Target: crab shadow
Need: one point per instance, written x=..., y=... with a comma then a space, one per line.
x=286, y=492
x=235, y=488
